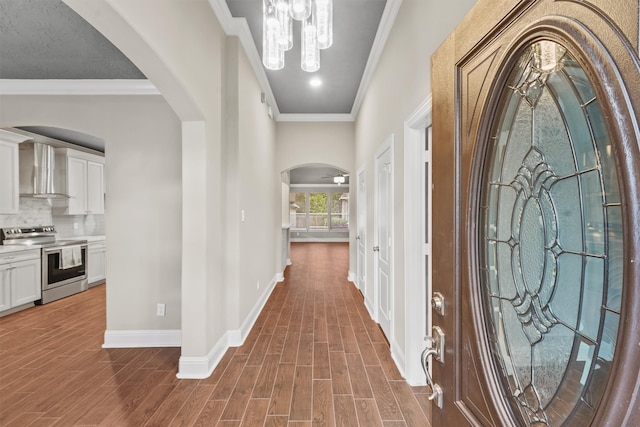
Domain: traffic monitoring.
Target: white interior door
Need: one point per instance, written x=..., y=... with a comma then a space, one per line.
x=361, y=237
x=383, y=245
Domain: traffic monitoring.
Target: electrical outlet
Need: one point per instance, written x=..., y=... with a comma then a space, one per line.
x=258, y=285
x=160, y=310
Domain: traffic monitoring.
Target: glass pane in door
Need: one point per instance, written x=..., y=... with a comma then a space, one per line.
x=550, y=242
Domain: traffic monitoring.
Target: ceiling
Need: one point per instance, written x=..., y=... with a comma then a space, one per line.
x=45, y=39
x=316, y=174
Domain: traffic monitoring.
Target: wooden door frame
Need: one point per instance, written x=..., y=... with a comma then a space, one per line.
x=597, y=43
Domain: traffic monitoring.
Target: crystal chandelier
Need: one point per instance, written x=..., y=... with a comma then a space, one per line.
x=316, y=18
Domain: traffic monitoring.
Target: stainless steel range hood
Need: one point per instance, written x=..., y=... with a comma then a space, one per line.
x=37, y=171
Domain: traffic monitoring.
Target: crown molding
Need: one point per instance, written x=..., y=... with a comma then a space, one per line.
x=77, y=87
x=238, y=27
x=384, y=29
x=315, y=118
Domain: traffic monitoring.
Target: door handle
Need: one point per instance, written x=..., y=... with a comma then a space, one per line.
x=376, y=249
x=435, y=349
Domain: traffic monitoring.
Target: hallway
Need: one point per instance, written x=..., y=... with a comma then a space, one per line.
x=313, y=357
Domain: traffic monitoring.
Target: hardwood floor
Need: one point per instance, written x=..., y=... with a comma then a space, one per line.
x=313, y=357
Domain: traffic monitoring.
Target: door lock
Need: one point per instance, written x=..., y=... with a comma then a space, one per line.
x=376, y=249
x=437, y=303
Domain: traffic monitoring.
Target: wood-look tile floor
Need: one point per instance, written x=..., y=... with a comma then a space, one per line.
x=313, y=358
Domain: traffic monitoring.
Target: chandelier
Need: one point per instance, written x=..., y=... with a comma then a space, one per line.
x=316, y=18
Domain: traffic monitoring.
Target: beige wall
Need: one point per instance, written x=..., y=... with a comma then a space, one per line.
x=143, y=206
x=399, y=85
x=227, y=156
x=302, y=143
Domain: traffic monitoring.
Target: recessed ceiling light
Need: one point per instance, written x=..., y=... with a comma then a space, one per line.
x=315, y=82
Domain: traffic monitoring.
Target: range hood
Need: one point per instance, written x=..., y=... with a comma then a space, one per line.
x=37, y=171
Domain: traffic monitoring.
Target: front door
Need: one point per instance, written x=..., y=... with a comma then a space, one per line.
x=382, y=248
x=536, y=221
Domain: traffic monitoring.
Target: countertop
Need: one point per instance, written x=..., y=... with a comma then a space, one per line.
x=87, y=238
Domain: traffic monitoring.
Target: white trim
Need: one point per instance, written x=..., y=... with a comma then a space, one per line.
x=320, y=239
x=15, y=138
x=320, y=186
x=421, y=116
x=77, y=87
x=251, y=318
x=316, y=117
x=239, y=27
x=361, y=206
x=384, y=29
x=414, y=216
x=352, y=278
x=397, y=354
x=370, y=308
x=142, y=338
x=202, y=367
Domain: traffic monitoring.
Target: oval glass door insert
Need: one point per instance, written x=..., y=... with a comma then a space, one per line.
x=550, y=241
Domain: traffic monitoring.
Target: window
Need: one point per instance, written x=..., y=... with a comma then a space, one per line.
x=319, y=211
x=298, y=211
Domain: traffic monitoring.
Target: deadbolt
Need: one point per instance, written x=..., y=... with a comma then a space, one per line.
x=437, y=303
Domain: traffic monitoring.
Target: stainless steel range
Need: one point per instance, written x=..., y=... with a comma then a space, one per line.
x=64, y=262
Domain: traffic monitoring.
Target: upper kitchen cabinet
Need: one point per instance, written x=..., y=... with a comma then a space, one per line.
x=9, y=172
x=82, y=174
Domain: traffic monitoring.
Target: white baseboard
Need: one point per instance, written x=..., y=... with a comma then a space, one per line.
x=202, y=367
x=142, y=338
x=397, y=354
x=254, y=313
x=352, y=278
x=369, y=305
x=319, y=240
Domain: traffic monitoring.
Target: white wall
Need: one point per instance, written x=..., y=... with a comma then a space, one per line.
x=399, y=85
x=143, y=205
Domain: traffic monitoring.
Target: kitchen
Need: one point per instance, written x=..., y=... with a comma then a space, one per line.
x=52, y=233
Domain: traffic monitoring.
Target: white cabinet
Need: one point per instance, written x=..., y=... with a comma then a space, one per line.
x=20, y=278
x=9, y=184
x=97, y=264
x=82, y=175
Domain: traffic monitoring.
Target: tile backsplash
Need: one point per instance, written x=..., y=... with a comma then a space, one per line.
x=32, y=212
x=39, y=212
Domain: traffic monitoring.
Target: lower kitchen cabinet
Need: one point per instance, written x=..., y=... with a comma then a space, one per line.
x=97, y=264
x=20, y=279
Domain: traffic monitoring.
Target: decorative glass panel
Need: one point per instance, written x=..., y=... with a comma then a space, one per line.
x=550, y=241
